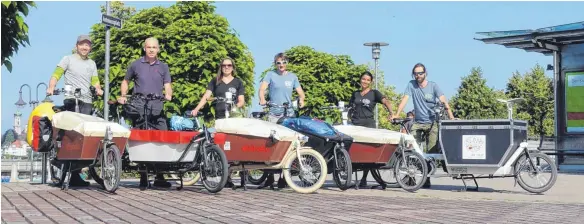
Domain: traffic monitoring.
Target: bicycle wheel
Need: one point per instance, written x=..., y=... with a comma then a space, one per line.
x=111, y=168
x=189, y=178
x=412, y=174
x=385, y=177
x=216, y=172
x=342, y=172
x=313, y=174
x=536, y=172
x=256, y=177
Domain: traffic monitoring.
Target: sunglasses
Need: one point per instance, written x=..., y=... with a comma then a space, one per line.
x=419, y=73
x=281, y=62
x=227, y=65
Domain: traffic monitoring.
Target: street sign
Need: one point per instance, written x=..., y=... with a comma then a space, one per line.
x=111, y=21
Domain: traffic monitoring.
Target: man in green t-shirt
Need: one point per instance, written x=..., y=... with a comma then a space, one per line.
x=79, y=71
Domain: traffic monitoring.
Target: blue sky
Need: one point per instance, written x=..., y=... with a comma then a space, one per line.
x=438, y=34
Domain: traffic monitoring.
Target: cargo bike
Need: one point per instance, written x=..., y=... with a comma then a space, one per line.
x=383, y=151
x=325, y=139
x=252, y=144
x=74, y=141
x=171, y=153
x=490, y=148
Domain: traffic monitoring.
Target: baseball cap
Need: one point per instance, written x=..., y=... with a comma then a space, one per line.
x=83, y=37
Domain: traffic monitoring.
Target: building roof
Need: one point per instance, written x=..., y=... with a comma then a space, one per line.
x=544, y=40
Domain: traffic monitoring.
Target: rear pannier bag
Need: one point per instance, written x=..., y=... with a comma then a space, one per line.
x=42, y=136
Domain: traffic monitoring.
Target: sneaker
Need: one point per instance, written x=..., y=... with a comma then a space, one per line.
x=427, y=184
x=229, y=183
x=363, y=183
x=269, y=181
x=282, y=183
x=162, y=183
x=76, y=180
x=143, y=180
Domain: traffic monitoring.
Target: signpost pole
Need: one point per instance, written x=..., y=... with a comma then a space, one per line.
x=107, y=61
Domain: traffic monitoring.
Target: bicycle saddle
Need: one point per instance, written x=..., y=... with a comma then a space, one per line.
x=258, y=114
x=400, y=120
x=112, y=102
x=58, y=109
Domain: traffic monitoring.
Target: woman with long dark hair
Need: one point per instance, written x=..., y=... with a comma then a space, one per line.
x=363, y=102
x=224, y=82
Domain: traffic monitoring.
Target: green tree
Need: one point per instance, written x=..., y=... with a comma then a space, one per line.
x=9, y=137
x=119, y=10
x=475, y=100
x=538, y=108
x=193, y=39
x=325, y=78
x=394, y=97
x=14, y=29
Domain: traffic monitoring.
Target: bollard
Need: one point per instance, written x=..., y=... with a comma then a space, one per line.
x=31, y=164
x=14, y=173
x=44, y=169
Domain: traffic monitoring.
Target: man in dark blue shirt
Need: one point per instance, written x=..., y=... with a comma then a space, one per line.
x=150, y=76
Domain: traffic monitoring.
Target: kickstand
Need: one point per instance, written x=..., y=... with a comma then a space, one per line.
x=243, y=177
x=180, y=176
x=466, y=188
x=356, y=182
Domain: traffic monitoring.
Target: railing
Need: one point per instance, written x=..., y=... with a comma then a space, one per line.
x=32, y=167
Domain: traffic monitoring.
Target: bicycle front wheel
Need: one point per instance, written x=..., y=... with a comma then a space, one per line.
x=542, y=164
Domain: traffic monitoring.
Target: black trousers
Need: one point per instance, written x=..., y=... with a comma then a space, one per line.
x=84, y=108
x=370, y=123
x=154, y=122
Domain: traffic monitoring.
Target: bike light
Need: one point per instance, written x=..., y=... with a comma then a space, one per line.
x=109, y=133
x=303, y=139
x=68, y=90
x=294, y=104
x=345, y=115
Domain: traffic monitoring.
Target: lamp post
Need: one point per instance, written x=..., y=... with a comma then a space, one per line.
x=376, y=51
x=47, y=98
x=20, y=103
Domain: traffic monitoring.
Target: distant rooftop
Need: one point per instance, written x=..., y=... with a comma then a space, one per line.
x=543, y=40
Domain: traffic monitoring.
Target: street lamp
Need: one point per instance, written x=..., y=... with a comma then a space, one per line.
x=376, y=51
x=47, y=98
x=20, y=103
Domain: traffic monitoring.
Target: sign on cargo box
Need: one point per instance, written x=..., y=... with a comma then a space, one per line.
x=474, y=147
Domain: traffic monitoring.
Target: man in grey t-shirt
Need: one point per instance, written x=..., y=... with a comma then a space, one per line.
x=79, y=72
x=424, y=95
x=281, y=83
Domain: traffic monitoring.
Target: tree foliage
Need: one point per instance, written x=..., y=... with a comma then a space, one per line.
x=394, y=97
x=538, y=108
x=14, y=29
x=475, y=100
x=9, y=137
x=193, y=39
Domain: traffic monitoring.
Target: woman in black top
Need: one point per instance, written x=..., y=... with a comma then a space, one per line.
x=363, y=102
x=224, y=82
x=218, y=86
